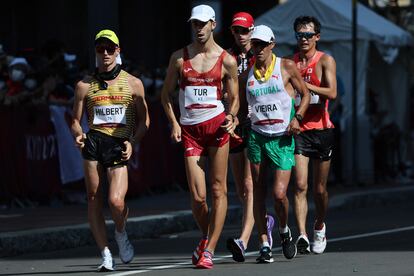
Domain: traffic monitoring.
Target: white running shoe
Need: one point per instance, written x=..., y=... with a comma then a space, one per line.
x=108, y=264
x=126, y=250
x=319, y=240
x=303, y=245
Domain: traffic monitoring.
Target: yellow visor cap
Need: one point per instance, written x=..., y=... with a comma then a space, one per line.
x=108, y=34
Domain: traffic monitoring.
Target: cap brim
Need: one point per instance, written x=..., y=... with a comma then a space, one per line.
x=105, y=39
x=200, y=18
x=241, y=24
x=261, y=38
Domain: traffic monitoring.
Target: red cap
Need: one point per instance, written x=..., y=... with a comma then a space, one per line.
x=242, y=19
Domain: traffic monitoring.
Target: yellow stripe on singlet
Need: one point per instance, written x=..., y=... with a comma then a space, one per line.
x=118, y=94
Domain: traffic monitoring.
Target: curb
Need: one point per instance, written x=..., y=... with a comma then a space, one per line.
x=377, y=197
x=58, y=238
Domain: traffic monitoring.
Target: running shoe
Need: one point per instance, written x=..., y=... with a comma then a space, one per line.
x=108, y=264
x=270, y=222
x=288, y=246
x=236, y=247
x=265, y=256
x=319, y=240
x=206, y=260
x=303, y=245
x=126, y=250
x=199, y=249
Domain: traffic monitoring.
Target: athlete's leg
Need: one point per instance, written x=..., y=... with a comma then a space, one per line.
x=301, y=188
x=320, y=192
x=242, y=175
x=280, y=185
x=218, y=178
x=118, y=187
x=259, y=198
x=195, y=166
x=95, y=202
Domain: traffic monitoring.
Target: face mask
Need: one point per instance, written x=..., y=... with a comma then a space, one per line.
x=17, y=75
x=30, y=84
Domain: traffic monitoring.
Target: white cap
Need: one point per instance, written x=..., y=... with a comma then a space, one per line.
x=203, y=13
x=263, y=33
x=19, y=60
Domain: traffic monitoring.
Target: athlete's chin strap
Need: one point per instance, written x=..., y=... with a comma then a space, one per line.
x=101, y=77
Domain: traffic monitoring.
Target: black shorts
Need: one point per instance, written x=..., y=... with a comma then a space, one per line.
x=317, y=144
x=105, y=149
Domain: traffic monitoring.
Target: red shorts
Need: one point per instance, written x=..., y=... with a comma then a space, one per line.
x=235, y=141
x=199, y=137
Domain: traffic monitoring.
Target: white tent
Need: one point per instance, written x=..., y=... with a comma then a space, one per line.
x=388, y=76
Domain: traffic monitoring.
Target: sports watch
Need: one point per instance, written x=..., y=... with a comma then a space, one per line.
x=298, y=117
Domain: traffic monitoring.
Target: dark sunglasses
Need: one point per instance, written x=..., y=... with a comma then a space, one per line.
x=259, y=44
x=240, y=30
x=110, y=49
x=306, y=35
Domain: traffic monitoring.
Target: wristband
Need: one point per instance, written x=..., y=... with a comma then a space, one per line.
x=298, y=117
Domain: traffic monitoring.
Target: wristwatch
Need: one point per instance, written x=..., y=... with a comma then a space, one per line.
x=298, y=117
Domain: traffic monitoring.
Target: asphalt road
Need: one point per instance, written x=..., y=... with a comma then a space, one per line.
x=369, y=241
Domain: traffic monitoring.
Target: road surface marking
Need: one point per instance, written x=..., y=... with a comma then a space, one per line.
x=182, y=264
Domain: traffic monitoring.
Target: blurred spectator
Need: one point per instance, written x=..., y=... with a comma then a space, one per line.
x=17, y=83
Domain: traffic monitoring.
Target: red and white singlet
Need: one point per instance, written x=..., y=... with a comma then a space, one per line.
x=200, y=93
x=317, y=115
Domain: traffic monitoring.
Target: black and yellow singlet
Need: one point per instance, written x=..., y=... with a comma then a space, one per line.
x=112, y=111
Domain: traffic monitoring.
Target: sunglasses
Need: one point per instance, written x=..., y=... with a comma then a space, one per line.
x=305, y=35
x=259, y=44
x=110, y=49
x=240, y=30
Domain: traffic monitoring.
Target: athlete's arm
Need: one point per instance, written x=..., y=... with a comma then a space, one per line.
x=328, y=82
x=80, y=92
x=143, y=121
x=299, y=85
x=232, y=85
x=170, y=83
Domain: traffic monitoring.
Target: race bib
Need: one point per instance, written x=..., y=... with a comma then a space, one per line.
x=267, y=114
x=315, y=99
x=200, y=97
x=109, y=114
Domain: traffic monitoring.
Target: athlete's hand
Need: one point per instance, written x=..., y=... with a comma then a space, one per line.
x=176, y=133
x=294, y=127
x=128, y=151
x=229, y=124
x=80, y=140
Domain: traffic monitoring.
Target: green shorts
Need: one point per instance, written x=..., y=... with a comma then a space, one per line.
x=279, y=149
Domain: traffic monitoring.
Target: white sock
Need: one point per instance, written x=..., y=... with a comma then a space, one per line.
x=244, y=245
x=283, y=230
x=105, y=252
x=265, y=244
